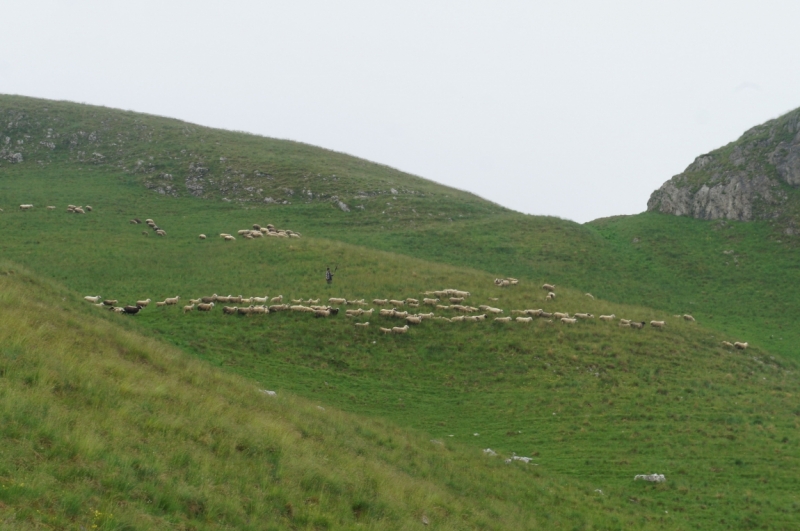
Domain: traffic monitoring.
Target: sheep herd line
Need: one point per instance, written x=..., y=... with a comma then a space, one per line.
x=447, y=300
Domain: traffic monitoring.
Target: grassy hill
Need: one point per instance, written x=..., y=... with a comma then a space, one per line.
x=593, y=404
x=103, y=428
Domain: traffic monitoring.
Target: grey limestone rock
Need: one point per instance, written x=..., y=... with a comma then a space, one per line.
x=744, y=180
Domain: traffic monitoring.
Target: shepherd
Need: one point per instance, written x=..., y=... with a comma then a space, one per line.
x=329, y=274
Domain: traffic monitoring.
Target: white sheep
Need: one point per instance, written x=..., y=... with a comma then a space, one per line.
x=229, y=238
x=400, y=329
x=205, y=307
x=337, y=300
x=658, y=324
x=583, y=316
x=560, y=315
x=429, y=302
x=202, y=236
x=394, y=302
x=188, y=308
x=413, y=319
x=171, y=301
x=25, y=207
x=93, y=299
x=607, y=317
x=655, y=478
x=51, y=207
x=688, y=317
x=589, y=295
x=567, y=320
x=362, y=324
x=550, y=296
x=549, y=287
x=159, y=304
x=386, y=330
x=379, y=302
x=524, y=319
x=503, y=319
x=727, y=344
x=278, y=299
x=740, y=345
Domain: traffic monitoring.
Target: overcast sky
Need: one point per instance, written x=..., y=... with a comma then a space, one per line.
x=578, y=109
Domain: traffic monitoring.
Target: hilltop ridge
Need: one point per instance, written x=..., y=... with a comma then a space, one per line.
x=178, y=159
x=755, y=177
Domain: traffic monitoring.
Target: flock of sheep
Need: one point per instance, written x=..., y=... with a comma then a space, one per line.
x=72, y=209
x=448, y=300
x=258, y=232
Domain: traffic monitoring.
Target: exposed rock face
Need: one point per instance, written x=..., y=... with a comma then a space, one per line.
x=744, y=180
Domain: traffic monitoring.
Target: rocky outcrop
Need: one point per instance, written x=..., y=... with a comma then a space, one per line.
x=752, y=178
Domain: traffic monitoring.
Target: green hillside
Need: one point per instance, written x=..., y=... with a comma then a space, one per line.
x=103, y=428
x=594, y=404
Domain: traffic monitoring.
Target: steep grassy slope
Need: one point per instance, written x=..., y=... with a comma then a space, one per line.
x=101, y=428
x=591, y=402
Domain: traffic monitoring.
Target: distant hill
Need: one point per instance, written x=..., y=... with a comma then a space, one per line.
x=755, y=177
x=178, y=159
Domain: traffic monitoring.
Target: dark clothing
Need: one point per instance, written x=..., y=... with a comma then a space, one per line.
x=328, y=276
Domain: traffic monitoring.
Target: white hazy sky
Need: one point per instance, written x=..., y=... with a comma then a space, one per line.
x=578, y=109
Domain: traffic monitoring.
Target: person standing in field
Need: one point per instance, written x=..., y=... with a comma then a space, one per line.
x=328, y=275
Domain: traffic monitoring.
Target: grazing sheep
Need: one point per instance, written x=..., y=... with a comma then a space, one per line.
x=655, y=478
x=229, y=238
x=607, y=317
x=589, y=295
x=93, y=299
x=278, y=299
x=727, y=344
x=134, y=222
x=353, y=313
x=220, y=298
x=740, y=345
x=414, y=319
x=625, y=325
x=322, y=313
x=25, y=207
x=51, y=207
x=261, y=300
x=559, y=315
x=549, y=287
x=159, y=304
x=244, y=300
x=144, y=233
x=362, y=324
x=260, y=309
x=212, y=298
x=379, y=302
x=502, y=319
x=534, y=313
x=312, y=301
x=524, y=319
x=429, y=302
x=386, y=330
x=161, y=232
x=456, y=300
x=624, y=321
x=658, y=324
x=550, y=296
x=567, y=320
x=386, y=313
x=457, y=319
x=278, y=308
x=442, y=307
x=400, y=315
x=203, y=307
x=688, y=317
x=400, y=329
x=202, y=236
x=229, y=310
x=493, y=310
x=88, y=208
x=297, y=301
x=131, y=310
x=195, y=301
x=637, y=325
x=413, y=305
x=171, y=301
x=546, y=315
x=337, y=300
x=412, y=301
x=245, y=311
x=110, y=302
x=423, y=315
x=583, y=316
x=300, y=308
x=188, y=308
x=394, y=302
